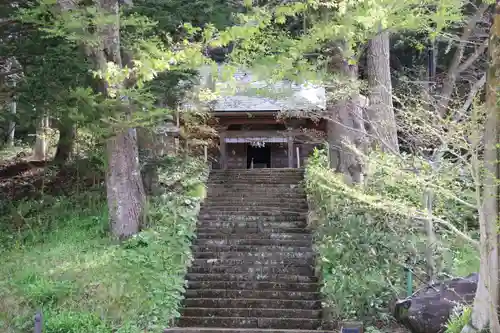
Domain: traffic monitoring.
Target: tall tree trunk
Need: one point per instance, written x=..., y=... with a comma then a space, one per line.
x=67, y=134
x=380, y=113
x=485, y=309
x=12, y=124
x=346, y=130
x=40, y=149
x=125, y=190
x=124, y=187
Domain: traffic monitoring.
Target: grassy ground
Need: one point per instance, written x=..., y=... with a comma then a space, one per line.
x=57, y=257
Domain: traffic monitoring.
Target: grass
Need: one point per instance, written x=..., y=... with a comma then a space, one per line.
x=63, y=262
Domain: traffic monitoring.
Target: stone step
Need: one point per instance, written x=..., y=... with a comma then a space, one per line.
x=247, y=312
x=274, y=182
x=245, y=255
x=269, y=194
x=256, y=179
x=253, y=261
x=215, y=249
x=290, y=180
x=274, y=216
x=249, y=322
x=252, y=303
x=235, y=330
x=253, y=242
x=258, y=188
x=235, y=200
x=251, y=205
x=252, y=209
x=254, y=270
x=218, y=235
x=261, y=195
x=257, y=278
x=280, y=171
x=254, y=285
x=251, y=224
x=250, y=231
x=258, y=294
x=254, y=173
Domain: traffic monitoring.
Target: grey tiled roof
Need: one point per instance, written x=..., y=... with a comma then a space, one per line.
x=246, y=93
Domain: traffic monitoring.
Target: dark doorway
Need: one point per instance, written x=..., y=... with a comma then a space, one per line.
x=261, y=156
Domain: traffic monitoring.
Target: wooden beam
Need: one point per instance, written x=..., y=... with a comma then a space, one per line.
x=242, y=120
x=269, y=133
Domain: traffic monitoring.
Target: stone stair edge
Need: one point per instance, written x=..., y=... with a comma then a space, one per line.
x=239, y=330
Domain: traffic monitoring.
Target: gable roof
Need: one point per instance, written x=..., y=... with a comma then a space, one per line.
x=244, y=92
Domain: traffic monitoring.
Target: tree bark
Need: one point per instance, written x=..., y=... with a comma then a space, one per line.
x=125, y=191
x=380, y=113
x=484, y=313
x=40, y=149
x=124, y=187
x=12, y=124
x=67, y=134
x=346, y=130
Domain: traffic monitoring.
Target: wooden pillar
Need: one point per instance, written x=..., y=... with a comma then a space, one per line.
x=290, y=151
x=222, y=148
x=298, y=157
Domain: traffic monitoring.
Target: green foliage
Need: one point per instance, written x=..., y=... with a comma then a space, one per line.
x=361, y=249
x=74, y=322
x=65, y=264
x=458, y=319
x=366, y=234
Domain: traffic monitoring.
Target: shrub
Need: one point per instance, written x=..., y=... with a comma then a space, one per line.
x=366, y=234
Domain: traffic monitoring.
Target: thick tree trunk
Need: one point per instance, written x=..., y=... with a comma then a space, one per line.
x=125, y=191
x=40, y=149
x=346, y=130
x=380, y=113
x=67, y=134
x=485, y=309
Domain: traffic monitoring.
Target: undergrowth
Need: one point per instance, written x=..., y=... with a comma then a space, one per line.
x=63, y=262
x=364, y=240
x=460, y=317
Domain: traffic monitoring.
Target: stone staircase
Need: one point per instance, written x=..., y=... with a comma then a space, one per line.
x=253, y=268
